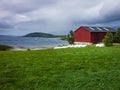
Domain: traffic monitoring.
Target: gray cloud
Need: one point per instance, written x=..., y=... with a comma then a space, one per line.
x=4, y=25
x=57, y=16
x=110, y=11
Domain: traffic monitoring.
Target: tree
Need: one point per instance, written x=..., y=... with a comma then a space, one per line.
x=108, y=40
x=70, y=37
x=117, y=36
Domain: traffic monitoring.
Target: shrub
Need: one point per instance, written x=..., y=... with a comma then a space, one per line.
x=70, y=37
x=117, y=36
x=5, y=47
x=108, y=40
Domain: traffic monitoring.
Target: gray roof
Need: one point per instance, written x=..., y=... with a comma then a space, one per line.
x=98, y=29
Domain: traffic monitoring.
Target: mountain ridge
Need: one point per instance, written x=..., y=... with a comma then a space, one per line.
x=41, y=34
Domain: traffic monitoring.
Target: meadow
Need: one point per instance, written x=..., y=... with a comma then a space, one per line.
x=89, y=68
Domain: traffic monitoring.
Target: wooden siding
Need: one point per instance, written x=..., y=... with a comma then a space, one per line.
x=82, y=35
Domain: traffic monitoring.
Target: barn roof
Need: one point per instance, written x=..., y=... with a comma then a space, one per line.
x=98, y=29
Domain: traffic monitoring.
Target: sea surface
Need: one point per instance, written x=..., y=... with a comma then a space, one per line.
x=31, y=41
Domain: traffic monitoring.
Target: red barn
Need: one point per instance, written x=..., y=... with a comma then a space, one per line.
x=86, y=34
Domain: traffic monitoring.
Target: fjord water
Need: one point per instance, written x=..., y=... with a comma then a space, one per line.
x=31, y=41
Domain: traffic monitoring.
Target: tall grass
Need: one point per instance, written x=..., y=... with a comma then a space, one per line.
x=87, y=68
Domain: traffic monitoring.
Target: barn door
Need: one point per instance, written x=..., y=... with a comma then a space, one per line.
x=96, y=38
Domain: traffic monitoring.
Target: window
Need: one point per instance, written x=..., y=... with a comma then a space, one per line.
x=91, y=28
x=106, y=29
x=99, y=29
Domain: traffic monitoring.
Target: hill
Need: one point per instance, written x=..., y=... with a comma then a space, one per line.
x=40, y=34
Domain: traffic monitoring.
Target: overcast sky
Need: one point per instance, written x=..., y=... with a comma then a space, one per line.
x=19, y=17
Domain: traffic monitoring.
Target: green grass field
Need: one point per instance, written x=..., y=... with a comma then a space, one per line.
x=90, y=68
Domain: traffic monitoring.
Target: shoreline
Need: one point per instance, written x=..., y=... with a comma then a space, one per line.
x=21, y=48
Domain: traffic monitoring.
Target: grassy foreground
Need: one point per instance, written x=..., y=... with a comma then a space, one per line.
x=89, y=68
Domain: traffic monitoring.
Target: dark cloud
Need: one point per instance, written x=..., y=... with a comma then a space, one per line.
x=110, y=11
x=57, y=16
x=19, y=6
x=4, y=25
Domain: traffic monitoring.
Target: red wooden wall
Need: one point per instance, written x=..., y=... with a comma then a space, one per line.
x=102, y=36
x=82, y=35
x=97, y=37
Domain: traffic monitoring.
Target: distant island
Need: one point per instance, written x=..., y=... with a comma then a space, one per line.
x=44, y=35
